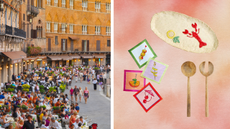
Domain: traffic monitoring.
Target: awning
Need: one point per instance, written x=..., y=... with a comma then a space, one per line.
x=86, y=56
x=75, y=56
x=73, y=38
x=41, y=57
x=60, y=57
x=30, y=58
x=99, y=56
x=66, y=57
x=55, y=57
x=15, y=56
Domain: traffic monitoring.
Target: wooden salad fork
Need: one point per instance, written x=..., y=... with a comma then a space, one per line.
x=206, y=74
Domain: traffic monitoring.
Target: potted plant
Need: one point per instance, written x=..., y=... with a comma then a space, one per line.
x=79, y=68
x=24, y=108
x=26, y=87
x=52, y=89
x=62, y=87
x=44, y=107
x=56, y=109
x=37, y=109
x=42, y=89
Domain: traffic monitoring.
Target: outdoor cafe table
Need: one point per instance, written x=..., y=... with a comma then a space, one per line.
x=10, y=119
x=24, y=99
x=85, y=127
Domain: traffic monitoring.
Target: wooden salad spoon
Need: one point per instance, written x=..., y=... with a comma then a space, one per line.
x=206, y=74
x=188, y=68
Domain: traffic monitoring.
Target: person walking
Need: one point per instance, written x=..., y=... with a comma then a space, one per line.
x=13, y=78
x=86, y=94
x=76, y=92
x=80, y=93
x=95, y=84
x=71, y=94
x=81, y=76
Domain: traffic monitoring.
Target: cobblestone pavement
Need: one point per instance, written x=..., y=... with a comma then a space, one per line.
x=97, y=108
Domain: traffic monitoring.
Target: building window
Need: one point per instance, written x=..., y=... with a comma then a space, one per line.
x=71, y=29
x=48, y=2
x=28, y=18
x=39, y=3
x=39, y=32
x=16, y=21
x=97, y=30
x=24, y=17
x=63, y=45
x=28, y=31
x=108, y=30
x=48, y=27
x=6, y=17
x=71, y=4
x=108, y=7
x=84, y=45
x=84, y=5
x=55, y=27
x=97, y=6
x=56, y=3
x=63, y=3
x=84, y=29
x=108, y=43
x=63, y=26
x=24, y=26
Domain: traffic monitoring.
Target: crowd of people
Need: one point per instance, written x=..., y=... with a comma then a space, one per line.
x=35, y=97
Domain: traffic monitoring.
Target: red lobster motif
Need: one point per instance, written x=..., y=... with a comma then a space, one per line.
x=195, y=35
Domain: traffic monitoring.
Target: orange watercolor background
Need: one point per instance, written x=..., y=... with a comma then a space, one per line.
x=131, y=26
x=130, y=76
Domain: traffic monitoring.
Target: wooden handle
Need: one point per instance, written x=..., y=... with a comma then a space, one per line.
x=188, y=99
x=206, y=97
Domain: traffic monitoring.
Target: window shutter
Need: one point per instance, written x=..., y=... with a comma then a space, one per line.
x=32, y=33
x=87, y=45
x=61, y=44
x=108, y=43
x=65, y=44
x=35, y=33
x=98, y=45
x=41, y=32
x=49, y=44
x=56, y=40
x=82, y=45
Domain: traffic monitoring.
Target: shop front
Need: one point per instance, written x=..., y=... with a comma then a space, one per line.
x=41, y=61
x=11, y=63
x=99, y=59
x=76, y=60
x=87, y=60
x=60, y=60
